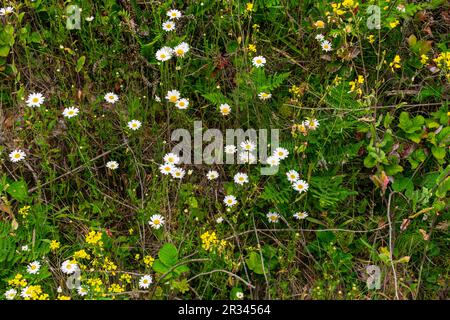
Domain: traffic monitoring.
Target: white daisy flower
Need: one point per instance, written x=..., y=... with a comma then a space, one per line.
x=181, y=49
x=17, y=155
x=166, y=168
x=10, y=294
x=326, y=46
x=230, y=201
x=212, y=175
x=292, y=175
x=33, y=267
x=173, y=96
x=157, y=99
x=320, y=37
x=171, y=158
x=111, y=97
x=6, y=11
x=69, y=267
x=173, y=14
x=178, y=173
x=300, y=215
x=35, y=100
x=134, y=125
x=168, y=25
x=247, y=157
x=25, y=248
x=264, y=95
x=219, y=220
x=311, y=124
x=281, y=153
x=225, y=109
x=89, y=19
x=259, y=61
x=240, y=178
x=70, y=112
x=26, y=292
x=273, y=161
x=113, y=165
x=156, y=221
x=239, y=295
x=300, y=186
x=230, y=149
x=145, y=281
x=164, y=54
x=273, y=217
x=182, y=103
x=248, y=145
x=82, y=290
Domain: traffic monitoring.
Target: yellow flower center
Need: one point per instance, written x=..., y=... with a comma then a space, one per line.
x=156, y=221
x=258, y=61
x=180, y=52
x=35, y=100
x=163, y=55
x=17, y=156
x=173, y=99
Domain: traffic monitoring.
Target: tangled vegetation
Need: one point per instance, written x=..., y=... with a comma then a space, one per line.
x=95, y=205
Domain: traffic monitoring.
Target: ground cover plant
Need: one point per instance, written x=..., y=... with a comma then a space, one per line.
x=95, y=203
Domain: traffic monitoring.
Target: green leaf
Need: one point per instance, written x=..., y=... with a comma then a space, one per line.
x=168, y=254
x=159, y=267
x=4, y=51
x=438, y=153
x=80, y=63
x=18, y=190
x=181, y=269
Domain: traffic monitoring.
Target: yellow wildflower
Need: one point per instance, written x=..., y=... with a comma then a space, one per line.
x=371, y=38
x=423, y=59
x=395, y=64
x=249, y=6
x=18, y=281
x=393, y=24
x=148, y=261
x=116, y=288
x=54, y=245
x=319, y=24
x=125, y=277
x=94, y=238
x=81, y=254
x=63, y=297
x=24, y=211
x=251, y=48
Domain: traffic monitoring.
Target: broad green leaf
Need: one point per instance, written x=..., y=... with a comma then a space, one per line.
x=168, y=254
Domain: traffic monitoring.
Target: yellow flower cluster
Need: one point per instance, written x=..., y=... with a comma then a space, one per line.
x=148, y=261
x=299, y=90
x=355, y=86
x=54, y=245
x=423, y=59
x=116, y=288
x=393, y=24
x=210, y=242
x=35, y=293
x=62, y=297
x=94, y=238
x=251, y=48
x=395, y=64
x=18, y=281
x=125, y=277
x=443, y=63
x=109, y=266
x=249, y=6
x=95, y=283
x=24, y=211
x=81, y=254
x=349, y=4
